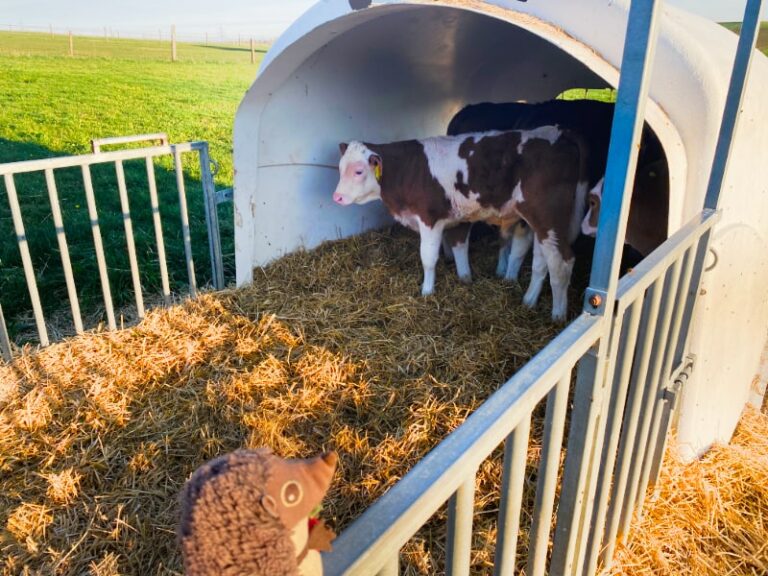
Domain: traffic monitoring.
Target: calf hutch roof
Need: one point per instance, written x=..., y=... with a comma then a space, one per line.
x=391, y=70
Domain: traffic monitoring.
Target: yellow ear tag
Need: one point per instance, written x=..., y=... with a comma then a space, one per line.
x=377, y=172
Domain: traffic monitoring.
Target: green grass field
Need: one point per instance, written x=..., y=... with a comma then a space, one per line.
x=762, y=37
x=52, y=104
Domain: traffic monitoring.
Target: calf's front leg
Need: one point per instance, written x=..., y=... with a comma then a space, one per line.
x=431, y=239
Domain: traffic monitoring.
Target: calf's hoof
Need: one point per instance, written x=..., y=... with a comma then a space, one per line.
x=529, y=302
x=466, y=279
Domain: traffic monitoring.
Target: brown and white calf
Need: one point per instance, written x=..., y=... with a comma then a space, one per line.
x=433, y=184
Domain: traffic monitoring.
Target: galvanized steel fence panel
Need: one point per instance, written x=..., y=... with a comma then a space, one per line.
x=85, y=162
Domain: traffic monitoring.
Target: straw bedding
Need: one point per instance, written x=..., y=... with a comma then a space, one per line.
x=332, y=348
x=710, y=517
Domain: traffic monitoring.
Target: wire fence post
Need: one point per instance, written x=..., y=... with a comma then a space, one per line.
x=173, y=43
x=253, y=53
x=71, y=45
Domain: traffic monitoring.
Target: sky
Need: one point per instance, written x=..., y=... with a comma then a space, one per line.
x=226, y=19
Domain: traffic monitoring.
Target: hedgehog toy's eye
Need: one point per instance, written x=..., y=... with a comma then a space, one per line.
x=291, y=494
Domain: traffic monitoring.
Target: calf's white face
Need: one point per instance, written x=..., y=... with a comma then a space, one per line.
x=589, y=224
x=359, y=175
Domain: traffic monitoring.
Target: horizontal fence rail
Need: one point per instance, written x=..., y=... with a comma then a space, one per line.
x=86, y=162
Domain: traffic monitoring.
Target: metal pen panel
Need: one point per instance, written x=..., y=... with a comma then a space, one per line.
x=632, y=417
x=128, y=224
x=5, y=341
x=365, y=546
x=66, y=263
x=211, y=219
x=26, y=258
x=158, y=225
x=546, y=483
x=615, y=415
x=512, y=484
x=658, y=377
x=461, y=511
x=98, y=246
x=184, y=220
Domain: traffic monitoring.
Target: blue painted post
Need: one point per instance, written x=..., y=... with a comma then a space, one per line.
x=747, y=39
x=585, y=440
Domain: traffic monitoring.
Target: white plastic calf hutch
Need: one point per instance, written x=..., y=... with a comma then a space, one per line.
x=391, y=70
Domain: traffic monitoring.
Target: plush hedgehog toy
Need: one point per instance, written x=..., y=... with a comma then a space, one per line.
x=248, y=513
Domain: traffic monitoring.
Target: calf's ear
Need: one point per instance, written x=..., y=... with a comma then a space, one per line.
x=375, y=162
x=343, y=147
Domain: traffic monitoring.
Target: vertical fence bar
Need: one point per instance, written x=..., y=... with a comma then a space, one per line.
x=637, y=388
x=184, y=221
x=586, y=437
x=61, y=237
x=128, y=224
x=546, y=483
x=512, y=484
x=211, y=218
x=659, y=378
x=392, y=567
x=98, y=245
x=615, y=416
x=461, y=509
x=5, y=341
x=161, y=258
x=746, y=46
x=26, y=259
x=693, y=291
x=659, y=443
x=650, y=399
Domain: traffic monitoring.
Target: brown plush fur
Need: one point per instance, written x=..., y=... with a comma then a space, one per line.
x=224, y=530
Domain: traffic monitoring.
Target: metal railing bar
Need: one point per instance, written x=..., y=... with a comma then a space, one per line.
x=512, y=484
x=100, y=158
x=693, y=292
x=392, y=567
x=650, y=309
x=614, y=417
x=211, y=220
x=744, y=52
x=97, y=143
x=660, y=375
x=158, y=225
x=643, y=275
x=387, y=524
x=26, y=259
x=66, y=263
x=546, y=483
x=184, y=220
x=650, y=397
x=128, y=224
x=5, y=341
x=98, y=246
x=461, y=511
x=626, y=129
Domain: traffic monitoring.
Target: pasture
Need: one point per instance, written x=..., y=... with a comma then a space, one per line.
x=52, y=104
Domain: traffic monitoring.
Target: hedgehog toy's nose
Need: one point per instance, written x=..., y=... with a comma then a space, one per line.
x=330, y=458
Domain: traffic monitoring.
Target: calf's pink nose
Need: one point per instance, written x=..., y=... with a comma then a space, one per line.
x=338, y=199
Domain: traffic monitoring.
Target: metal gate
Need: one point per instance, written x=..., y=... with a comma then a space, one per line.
x=49, y=166
x=628, y=352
